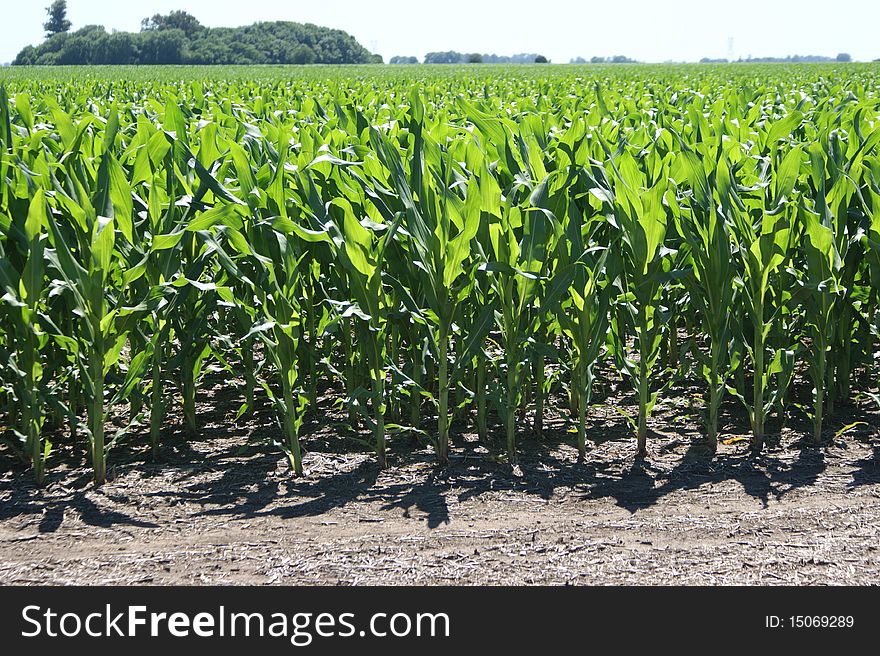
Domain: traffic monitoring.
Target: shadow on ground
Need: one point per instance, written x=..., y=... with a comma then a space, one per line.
x=237, y=472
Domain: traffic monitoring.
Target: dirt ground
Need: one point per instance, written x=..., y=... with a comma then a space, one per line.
x=223, y=508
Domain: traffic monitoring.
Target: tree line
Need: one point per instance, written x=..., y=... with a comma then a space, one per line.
x=179, y=38
x=453, y=57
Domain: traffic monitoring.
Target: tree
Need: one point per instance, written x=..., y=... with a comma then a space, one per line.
x=844, y=57
x=449, y=57
x=87, y=45
x=121, y=48
x=524, y=58
x=301, y=54
x=398, y=59
x=57, y=22
x=176, y=20
x=27, y=57
x=541, y=59
x=475, y=58
x=162, y=47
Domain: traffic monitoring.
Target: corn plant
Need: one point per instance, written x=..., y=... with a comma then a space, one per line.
x=23, y=304
x=516, y=269
x=642, y=259
x=584, y=311
x=823, y=280
x=763, y=234
x=702, y=219
x=361, y=250
x=439, y=229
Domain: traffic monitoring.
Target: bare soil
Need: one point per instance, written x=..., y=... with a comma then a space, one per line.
x=223, y=508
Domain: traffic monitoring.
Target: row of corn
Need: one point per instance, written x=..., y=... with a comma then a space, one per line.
x=433, y=249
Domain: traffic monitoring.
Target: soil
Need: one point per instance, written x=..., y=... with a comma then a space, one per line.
x=222, y=507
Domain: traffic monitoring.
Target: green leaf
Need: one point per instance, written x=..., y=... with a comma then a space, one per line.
x=36, y=218
x=103, y=240
x=358, y=243
x=787, y=174
x=120, y=197
x=782, y=128
x=164, y=242
x=228, y=215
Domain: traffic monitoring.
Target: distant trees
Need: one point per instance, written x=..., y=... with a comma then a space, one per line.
x=403, y=60
x=541, y=59
x=843, y=57
x=616, y=59
x=179, y=38
x=790, y=59
x=448, y=57
x=453, y=57
x=519, y=58
x=57, y=23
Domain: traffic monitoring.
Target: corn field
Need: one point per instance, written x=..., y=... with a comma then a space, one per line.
x=433, y=248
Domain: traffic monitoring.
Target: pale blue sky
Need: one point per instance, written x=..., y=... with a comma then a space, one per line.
x=648, y=30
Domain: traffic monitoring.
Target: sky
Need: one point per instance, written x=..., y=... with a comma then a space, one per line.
x=647, y=30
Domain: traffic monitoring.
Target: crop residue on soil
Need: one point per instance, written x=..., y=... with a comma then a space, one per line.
x=215, y=512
